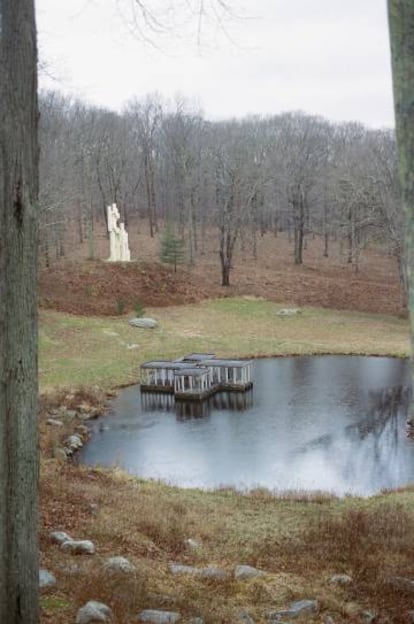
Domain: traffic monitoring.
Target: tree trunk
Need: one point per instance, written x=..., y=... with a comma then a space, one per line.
x=401, y=23
x=18, y=314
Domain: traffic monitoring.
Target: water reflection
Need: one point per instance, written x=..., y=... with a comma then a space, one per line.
x=232, y=401
x=334, y=423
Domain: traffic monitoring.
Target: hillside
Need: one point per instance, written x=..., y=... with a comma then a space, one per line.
x=79, y=286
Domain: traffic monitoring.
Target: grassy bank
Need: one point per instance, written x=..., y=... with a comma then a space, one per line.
x=107, y=351
x=299, y=539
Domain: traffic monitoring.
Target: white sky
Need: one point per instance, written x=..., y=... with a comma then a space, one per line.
x=325, y=57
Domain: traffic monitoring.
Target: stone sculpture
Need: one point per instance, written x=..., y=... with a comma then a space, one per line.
x=118, y=237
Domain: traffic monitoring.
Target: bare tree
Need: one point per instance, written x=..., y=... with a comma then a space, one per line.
x=18, y=314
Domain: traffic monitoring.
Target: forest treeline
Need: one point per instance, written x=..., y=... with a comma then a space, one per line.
x=166, y=163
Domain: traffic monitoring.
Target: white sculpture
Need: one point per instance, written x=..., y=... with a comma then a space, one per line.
x=118, y=237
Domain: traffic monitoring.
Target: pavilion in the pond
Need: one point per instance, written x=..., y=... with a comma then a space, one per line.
x=196, y=376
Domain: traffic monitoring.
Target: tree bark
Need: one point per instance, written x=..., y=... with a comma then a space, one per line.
x=401, y=24
x=18, y=314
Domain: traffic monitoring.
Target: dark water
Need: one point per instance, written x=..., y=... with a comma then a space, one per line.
x=329, y=422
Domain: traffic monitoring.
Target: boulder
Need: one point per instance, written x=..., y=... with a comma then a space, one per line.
x=58, y=537
x=53, y=422
x=46, y=579
x=178, y=568
x=242, y=572
x=245, y=617
x=340, y=579
x=74, y=442
x=115, y=565
x=78, y=547
x=212, y=572
x=288, y=312
x=94, y=611
x=158, y=617
x=296, y=609
x=401, y=583
x=192, y=544
x=144, y=322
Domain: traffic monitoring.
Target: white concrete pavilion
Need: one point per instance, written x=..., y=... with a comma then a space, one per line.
x=158, y=375
x=192, y=383
x=230, y=374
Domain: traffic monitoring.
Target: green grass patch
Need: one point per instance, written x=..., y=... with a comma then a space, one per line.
x=108, y=351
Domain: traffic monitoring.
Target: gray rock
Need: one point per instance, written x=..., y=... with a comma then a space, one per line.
x=132, y=346
x=78, y=547
x=158, y=617
x=115, y=565
x=340, y=579
x=196, y=620
x=46, y=579
x=300, y=607
x=242, y=572
x=400, y=582
x=367, y=616
x=54, y=423
x=58, y=537
x=94, y=611
x=93, y=508
x=328, y=620
x=74, y=442
x=177, y=568
x=410, y=617
x=144, y=322
x=161, y=599
x=193, y=544
x=245, y=617
x=288, y=312
x=212, y=572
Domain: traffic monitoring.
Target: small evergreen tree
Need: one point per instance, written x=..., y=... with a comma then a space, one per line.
x=172, y=249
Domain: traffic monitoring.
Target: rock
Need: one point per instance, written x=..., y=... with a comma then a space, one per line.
x=245, y=617
x=242, y=572
x=328, y=620
x=58, y=537
x=289, y=312
x=74, y=442
x=114, y=565
x=177, y=568
x=158, y=617
x=78, y=547
x=54, y=423
x=196, y=620
x=93, y=508
x=132, y=346
x=213, y=572
x=143, y=322
x=300, y=607
x=400, y=582
x=367, y=616
x=207, y=572
x=193, y=544
x=340, y=579
x=46, y=579
x=94, y=611
x=59, y=453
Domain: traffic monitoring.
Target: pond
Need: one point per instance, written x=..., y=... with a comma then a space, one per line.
x=334, y=423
